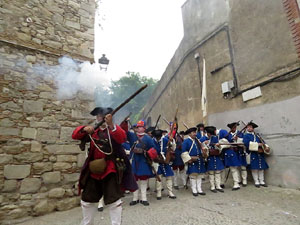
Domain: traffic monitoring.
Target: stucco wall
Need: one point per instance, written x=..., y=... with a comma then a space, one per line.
x=252, y=44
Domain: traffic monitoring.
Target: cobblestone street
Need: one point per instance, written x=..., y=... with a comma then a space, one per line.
x=249, y=205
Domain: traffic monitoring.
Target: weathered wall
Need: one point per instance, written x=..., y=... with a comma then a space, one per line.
x=62, y=27
x=252, y=43
x=39, y=162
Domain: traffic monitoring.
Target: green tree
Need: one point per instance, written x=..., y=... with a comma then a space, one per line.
x=125, y=87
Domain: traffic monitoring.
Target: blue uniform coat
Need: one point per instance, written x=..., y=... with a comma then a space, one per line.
x=161, y=148
x=190, y=145
x=257, y=160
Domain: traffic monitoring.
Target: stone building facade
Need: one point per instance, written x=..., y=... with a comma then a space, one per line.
x=39, y=162
x=253, y=48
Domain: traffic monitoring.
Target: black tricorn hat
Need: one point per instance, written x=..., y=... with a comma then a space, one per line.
x=150, y=129
x=190, y=130
x=182, y=132
x=157, y=133
x=200, y=125
x=252, y=124
x=231, y=125
x=101, y=110
x=164, y=131
x=210, y=129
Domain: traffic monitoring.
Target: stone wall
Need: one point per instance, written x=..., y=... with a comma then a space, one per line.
x=59, y=26
x=255, y=45
x=39, y=162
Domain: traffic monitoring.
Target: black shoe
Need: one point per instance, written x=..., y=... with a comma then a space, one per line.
x=244, y=185
x=148, y=189
x=185, y=187
x=235, y=189
x=220, y=190
x=134, y=202
x=201, y=193
x=264, y=185
x=100, y=209
x=195, y=194
x=172, y=197
x=176, y=187
x=158, y=198
x=257, y=185
x=214, y=191
x=145, y=203
x=222, y=186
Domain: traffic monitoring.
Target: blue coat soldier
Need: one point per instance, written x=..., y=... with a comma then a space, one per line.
x=164, y=168
x=178, y=165
x=140, y=144
x=257, y=151
x=192, y=155
x=200, y=130
x=215, y=163
x=231, y=155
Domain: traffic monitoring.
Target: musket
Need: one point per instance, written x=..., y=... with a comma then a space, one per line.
x=83, y=142
x=157, y=121
x=167, y=122
x=126, y=117
x=169, y=149
x=186, y=126
x=264, y=147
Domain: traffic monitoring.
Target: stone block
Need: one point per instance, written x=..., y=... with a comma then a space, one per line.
x=30, y=185
x=39, y=124
x=9, y=185
x=5, y=159
x=72, y=24
x=6, y=123
x=35, y=146
x=56, y=193
x=63, y=149
x=16, y=213
x=31, y=58
x=51, y=177
x=47, y=135
x=66, y=133
x=83, y=13
x=29, y=133
x=9, y=131
x=80, y=159
x=47, y=95
x=11, y=105
x=24, y=37
x=52, y=44
x=16, y=171
x=68, y=203
x=13, y=149
x=43, y=207
x=29, y=157
x=71, y=178
x=41, y=167
x=30, y=106
x=66, y=158
x=61, y=166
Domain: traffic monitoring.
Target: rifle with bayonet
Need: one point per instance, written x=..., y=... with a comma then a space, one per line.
x=170, y=154
x=157, y=121
x=84, y=141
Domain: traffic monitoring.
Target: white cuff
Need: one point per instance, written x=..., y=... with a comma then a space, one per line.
x=115, y=128
x=185, y=157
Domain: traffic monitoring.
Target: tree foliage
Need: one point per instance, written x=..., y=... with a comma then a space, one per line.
x=123, y=88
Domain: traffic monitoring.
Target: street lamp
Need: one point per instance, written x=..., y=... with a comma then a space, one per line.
x=103, y=62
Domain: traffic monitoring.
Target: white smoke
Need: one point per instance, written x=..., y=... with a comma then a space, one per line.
x=71, y=77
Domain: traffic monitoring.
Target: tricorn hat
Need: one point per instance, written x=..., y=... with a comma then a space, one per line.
x=210, y=129
x=101, y=110
x=252, y=124
x=200, y=125
x=231, y=125
x=157, y=133
x=190, y=130
x=182, y=132
x=150, y=129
